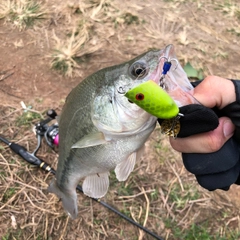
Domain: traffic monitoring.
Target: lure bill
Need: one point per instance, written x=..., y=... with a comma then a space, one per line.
x=154, y=100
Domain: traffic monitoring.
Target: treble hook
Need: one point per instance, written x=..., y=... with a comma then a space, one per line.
x=166, y=67
x=168, y=63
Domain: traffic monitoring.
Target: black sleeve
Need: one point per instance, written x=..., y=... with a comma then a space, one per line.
x=233, y=110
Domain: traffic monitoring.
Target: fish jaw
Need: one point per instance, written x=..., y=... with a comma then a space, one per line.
x=113, y=114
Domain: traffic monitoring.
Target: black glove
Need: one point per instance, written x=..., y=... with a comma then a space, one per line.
x=218, y=170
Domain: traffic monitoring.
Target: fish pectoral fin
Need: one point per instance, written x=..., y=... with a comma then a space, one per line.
x=96, y=186
x=69, y=201
x=90, y=140
x=124, y=168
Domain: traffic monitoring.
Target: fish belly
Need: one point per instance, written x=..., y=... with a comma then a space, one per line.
x=94, y=163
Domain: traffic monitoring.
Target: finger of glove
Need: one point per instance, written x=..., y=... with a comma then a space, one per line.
x=207, y=142
x=196, y=119
x=211, y=163
x=222, y=180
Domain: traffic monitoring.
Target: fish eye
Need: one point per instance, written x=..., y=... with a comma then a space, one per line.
x=138, y=69
x=139, y=96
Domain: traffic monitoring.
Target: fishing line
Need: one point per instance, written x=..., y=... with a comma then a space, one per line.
x=32, y=159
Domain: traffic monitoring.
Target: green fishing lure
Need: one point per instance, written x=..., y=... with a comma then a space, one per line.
x=153, y=99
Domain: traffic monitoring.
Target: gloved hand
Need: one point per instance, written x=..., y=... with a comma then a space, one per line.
x=220, y=169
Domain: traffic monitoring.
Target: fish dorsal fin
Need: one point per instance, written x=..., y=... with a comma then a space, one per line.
x=96, y=186
x=90, y=140
x=124, y=168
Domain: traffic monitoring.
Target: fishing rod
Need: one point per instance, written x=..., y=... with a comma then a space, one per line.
x=50, y=133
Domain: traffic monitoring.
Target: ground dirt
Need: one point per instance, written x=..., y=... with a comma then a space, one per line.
x=160, y=193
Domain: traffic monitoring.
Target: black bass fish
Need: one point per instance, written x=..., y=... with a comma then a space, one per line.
x=100, y=130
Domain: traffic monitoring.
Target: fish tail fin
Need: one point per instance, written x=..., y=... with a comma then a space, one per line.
x=69, y=200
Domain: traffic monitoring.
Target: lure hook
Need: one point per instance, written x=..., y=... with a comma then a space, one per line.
x=166, y=67
x=168, y=63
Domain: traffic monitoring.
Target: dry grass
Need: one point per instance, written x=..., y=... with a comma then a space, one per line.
x=22, y=13
x=92, y=23
x=67, y=53
x=160, y=194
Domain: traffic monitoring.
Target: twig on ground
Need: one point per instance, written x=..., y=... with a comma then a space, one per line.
x=5, y=77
